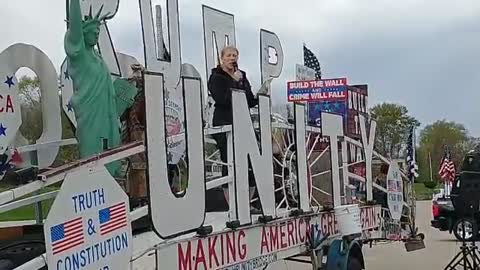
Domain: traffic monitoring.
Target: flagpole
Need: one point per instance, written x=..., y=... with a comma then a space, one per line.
x=414, y=146
x=430, y=161
x=447, y=191
x=446, y=182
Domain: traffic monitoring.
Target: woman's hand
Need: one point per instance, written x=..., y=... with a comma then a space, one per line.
x=237, y=75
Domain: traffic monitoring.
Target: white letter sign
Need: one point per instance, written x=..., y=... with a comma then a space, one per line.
x=13, y=58
x=271, y=55
x=245, y=148
x=218, y=30
x=302, y=166
x=190, y=209
x=368, y=148
x=171, y=70
x=332, y=126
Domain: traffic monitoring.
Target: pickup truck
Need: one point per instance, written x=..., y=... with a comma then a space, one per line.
x=446, y=219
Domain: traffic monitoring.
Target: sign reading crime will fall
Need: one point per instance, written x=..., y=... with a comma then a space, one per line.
x=317, y=90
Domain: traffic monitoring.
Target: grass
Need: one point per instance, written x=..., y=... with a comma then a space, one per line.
x=26, y=212
x=422, y=193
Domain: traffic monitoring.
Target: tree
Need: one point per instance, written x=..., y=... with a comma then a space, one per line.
x=31, y=107
x=32, y=119
x=393, y=127
x=67, y=153
x=432, y=140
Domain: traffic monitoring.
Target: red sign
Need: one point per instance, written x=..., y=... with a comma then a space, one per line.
x=317, y=90
x=357, y=101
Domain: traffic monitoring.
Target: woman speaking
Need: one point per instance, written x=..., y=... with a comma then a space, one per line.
x=223, y=78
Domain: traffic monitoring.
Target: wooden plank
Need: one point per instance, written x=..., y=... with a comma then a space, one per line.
x=11, y=233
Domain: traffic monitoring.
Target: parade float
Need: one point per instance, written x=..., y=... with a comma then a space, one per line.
x=139, y=195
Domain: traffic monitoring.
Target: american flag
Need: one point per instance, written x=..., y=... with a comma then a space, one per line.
x=447, y=167
x=311, y=61
x=67, y=235
x=412, y=167
x=112, y=218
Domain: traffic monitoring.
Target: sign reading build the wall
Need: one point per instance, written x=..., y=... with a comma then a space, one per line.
x=328, y=95
x=357, y=103
x=317, y=90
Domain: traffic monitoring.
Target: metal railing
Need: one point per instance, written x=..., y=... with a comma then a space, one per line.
x=12, y=199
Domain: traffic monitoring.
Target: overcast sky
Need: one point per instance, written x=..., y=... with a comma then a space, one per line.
x=421, y=54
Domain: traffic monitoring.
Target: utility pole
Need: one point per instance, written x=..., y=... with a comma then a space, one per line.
x=430, y=161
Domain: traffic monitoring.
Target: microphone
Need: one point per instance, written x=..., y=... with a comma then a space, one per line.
x=235, y=67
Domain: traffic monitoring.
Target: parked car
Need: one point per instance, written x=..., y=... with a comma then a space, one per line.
x=446, y=219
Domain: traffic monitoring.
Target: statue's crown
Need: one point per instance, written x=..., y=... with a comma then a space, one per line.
x=93, y=22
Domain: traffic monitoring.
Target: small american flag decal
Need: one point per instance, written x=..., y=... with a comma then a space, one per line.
x=67, y=235
x=112, y=218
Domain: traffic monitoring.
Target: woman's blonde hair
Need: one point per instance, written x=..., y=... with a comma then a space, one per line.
x=228, y=48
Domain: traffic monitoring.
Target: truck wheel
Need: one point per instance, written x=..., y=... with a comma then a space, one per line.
x=354, y=264
x=21, y=252
x=470, y=232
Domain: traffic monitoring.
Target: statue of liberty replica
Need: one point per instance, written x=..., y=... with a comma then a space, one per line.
x=94, y=97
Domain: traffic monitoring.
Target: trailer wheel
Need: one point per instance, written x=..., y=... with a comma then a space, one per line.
x=354, y=264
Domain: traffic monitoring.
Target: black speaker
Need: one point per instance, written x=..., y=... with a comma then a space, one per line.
x=465, y=193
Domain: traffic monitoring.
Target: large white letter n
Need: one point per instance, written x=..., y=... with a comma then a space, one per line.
x=245, y=148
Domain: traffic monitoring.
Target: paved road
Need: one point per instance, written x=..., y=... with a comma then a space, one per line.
x=441, y=247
